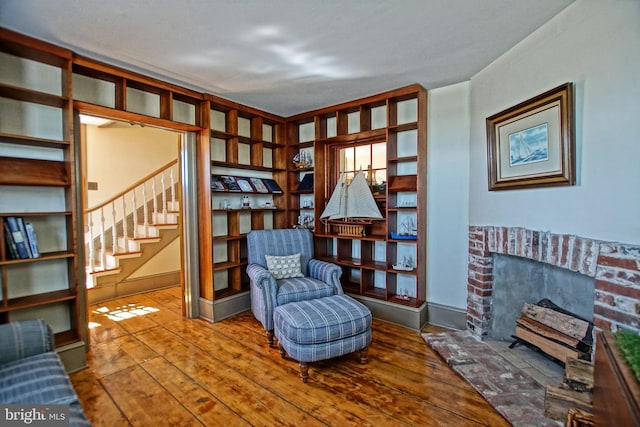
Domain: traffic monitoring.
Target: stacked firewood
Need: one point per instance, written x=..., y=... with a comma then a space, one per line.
x=554, y=331
x=567, y=338
x=572, y=401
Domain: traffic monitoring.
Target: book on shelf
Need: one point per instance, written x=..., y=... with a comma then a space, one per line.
x=33, y=242
x=244, y=184
x=18, y=237
x=230, y=183
x=272, y=185
x=307, y=183
x=23, y=231
x=12, y=250
x=259, y=185
x=216, y=184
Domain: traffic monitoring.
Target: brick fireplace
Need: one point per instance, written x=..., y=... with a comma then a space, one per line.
x=614, y=266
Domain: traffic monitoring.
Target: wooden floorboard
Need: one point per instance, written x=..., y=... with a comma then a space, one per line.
x=150, y=366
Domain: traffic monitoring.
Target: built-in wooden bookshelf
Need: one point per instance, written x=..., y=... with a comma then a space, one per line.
x=38, y=186
x=385, y=136
x=245, y=148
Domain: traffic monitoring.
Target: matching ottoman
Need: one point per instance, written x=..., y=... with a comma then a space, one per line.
x=319, y=329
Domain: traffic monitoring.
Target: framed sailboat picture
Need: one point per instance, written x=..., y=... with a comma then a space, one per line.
x=532, y=144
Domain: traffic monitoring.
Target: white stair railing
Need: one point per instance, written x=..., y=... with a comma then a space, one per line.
x=111, y=236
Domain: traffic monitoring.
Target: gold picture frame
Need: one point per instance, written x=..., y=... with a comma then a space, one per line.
x=532, y=144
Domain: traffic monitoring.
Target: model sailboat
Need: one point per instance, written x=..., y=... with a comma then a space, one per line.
x=351, y=206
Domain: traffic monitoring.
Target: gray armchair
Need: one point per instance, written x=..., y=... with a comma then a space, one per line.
x=319, y=278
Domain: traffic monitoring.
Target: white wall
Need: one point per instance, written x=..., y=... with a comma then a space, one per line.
x=596, y=45
x=448, y=195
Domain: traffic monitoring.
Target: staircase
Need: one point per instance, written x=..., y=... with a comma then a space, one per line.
x=125, y=232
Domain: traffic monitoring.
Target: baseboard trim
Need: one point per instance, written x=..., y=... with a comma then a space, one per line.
x=414, y=318
x=73, y=356
x=408, y=317
x=132, y=287
x=447, y=316
x=215, y=311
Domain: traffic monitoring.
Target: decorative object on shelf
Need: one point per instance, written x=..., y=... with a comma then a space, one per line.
x=216, y=184
x=244, y=184
x=302, y=159
x=225, y=204
x=304, y=221
x=246, y=203
x=408, y=230
x=532, y=144
x=351, y=206
x=272, y=185
x=408, y=204
x=259, y=185
x=307, y=183
x=402, y=295
x=406, y=265
x=230, y=183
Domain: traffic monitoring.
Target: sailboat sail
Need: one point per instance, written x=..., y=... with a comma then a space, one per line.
x=353, y=200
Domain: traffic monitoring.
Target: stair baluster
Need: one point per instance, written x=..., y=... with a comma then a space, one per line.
x=155, y=201
x=145, y=209
x=103, y=252
x=164, y=199
x=173, y=189
x=91, y=250
x=114, y=232
x=135, y=213
x=125, y=225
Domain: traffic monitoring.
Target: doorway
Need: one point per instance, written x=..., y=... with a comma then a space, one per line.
x=133, y=179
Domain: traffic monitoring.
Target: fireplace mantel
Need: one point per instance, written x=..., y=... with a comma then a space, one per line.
x=615, y=267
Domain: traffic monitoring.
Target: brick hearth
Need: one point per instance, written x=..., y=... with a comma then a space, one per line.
x=615, y=267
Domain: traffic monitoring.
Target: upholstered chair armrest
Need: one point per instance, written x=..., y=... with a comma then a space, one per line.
x=24, y=338
x=326, y=272
x=261, y=277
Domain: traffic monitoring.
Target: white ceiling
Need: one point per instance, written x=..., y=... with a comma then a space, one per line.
x=287, y=56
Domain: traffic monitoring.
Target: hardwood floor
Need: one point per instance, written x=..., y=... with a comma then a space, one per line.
x=150, y=367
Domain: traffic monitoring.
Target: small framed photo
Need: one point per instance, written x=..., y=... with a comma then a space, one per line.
x=532, y=144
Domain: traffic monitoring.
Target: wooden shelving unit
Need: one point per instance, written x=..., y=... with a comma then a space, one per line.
x=232, y=140
x=393, y=127
x=38, y=159
x=244, y=143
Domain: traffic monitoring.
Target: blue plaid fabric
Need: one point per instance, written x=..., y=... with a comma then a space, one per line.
x=36, y=379
x=32, y=373
x=323, y=328
x=321, y=278
x=23, y=339
x=300, y=289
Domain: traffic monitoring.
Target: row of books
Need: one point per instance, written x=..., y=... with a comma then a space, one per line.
x=244, y=184
x=20, y=238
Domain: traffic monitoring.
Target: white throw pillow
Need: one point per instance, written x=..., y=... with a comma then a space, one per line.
x=284, y=267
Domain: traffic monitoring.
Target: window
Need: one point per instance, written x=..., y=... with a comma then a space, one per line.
x=370, y=158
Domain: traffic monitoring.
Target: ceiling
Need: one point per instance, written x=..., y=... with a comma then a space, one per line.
x=285, y=56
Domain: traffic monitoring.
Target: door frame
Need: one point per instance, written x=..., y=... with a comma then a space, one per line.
x=189, y=258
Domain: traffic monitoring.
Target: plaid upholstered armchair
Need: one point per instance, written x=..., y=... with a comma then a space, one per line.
x=282, y=269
